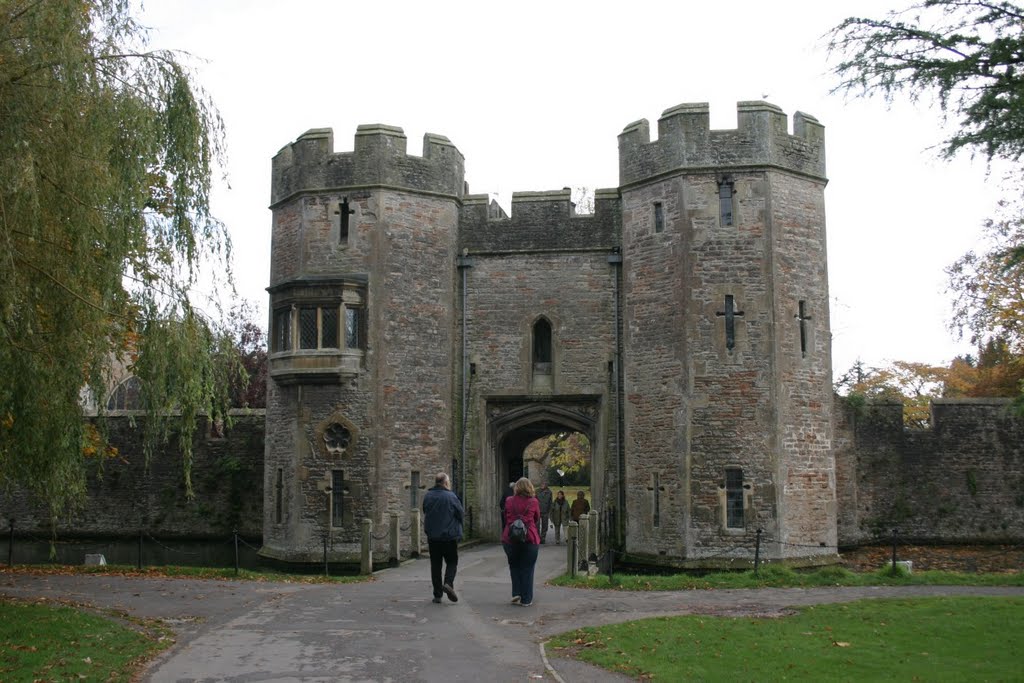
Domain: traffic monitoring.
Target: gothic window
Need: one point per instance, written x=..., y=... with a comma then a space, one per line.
x=337, y=440
x=659, y=217
x=542, y=347
x=734, y=498
x=725, y=203
x=127, y=395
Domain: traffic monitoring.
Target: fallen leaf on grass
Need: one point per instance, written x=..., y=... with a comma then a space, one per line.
x=839, y=643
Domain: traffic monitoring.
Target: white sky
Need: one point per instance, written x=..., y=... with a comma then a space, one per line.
x=535, y=93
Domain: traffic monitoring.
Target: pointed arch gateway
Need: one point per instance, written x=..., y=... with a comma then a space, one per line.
x=513, y=424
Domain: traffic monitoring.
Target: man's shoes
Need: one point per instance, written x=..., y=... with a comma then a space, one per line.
x=525, y=604
x=437, y=599
x=450, y=592
x=516, y=599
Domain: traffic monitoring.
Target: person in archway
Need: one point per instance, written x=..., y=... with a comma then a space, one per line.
x=544, y=501
x=559, y=514
x=580, y=506
x=522, y=555
x=442, y=521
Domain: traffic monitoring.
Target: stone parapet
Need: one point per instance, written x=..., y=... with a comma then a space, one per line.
x=686, y=142
x=379, y=159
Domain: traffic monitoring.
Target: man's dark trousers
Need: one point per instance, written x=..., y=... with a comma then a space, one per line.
x=447, y=552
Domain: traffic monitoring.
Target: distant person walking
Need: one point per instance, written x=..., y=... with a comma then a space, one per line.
x=580, y=506
x=544, y=501
x=559, y=514
x=522, y=555
x=442, y=521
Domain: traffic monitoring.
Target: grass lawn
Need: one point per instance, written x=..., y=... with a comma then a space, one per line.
x=41, y=642
x=776, y=576
x=921, y=639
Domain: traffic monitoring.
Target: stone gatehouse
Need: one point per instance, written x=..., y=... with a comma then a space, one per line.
x=683, y=327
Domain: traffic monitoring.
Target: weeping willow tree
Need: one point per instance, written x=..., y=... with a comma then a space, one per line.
x=106, y=156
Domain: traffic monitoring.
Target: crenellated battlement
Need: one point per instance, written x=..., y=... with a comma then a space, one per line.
x=540, y=221
x=686, y=141
x=379, y=158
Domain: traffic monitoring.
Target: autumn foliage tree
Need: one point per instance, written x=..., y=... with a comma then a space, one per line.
x=567, y=452
x=106, y=156
x=968, y=55
x=912, y=384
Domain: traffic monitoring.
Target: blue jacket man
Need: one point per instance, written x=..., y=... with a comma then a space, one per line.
x=442, y=522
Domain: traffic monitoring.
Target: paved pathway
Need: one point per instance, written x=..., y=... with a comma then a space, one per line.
x=389, y=630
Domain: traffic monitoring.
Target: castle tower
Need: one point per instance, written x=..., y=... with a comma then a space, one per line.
x=359, y=405
x=727, y=368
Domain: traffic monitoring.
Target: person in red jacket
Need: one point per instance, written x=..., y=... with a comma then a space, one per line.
x=522, y=556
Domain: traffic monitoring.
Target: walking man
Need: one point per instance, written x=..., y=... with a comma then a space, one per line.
x=442, y=521
x=544, y=500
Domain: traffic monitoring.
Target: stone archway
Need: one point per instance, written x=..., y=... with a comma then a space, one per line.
x=512, y=424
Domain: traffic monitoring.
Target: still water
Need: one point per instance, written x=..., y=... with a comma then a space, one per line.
x=125, y=551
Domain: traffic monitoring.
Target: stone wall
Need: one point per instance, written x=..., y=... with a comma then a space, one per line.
x=129, y=495
x=961, y=481
x=717, y=380
x=544, y=262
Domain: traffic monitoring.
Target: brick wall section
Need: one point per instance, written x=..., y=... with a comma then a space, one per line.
x=129, y=495
x=959, y=482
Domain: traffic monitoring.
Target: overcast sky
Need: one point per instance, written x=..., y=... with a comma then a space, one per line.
x=535, y=93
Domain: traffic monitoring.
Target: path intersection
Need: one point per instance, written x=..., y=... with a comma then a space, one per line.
x=389, y=630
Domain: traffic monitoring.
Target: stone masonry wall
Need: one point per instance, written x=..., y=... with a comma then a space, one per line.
x=803, y=366
x=961, y=481
x=524, y=268
x=130, y=495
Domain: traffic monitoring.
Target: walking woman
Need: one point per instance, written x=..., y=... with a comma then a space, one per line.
x=522, y=555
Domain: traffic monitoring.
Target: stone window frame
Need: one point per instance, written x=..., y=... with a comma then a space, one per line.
x=659, y=217
x=279, y=496
x=541, y=326
x=730, y=496
x=337, y=512
x=726, y=201
x=330, y=360
x=288, y=323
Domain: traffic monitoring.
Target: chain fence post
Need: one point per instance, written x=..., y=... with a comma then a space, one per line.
x=10, y=546
x=366, y=549
x=583, y=537
x=395, y=542
x=416, y=533
x=140, y=549
x=570, y=547
x=235, y=534
x=757, y=551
